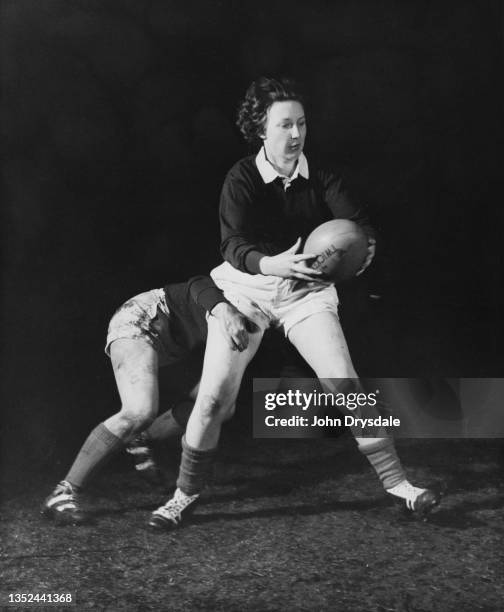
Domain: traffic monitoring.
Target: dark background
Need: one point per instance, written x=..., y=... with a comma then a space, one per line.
x=118, y=128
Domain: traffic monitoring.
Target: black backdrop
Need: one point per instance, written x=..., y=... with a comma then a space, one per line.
x=118, y=127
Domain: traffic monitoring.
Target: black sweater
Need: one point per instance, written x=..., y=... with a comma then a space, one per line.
x=259, y=218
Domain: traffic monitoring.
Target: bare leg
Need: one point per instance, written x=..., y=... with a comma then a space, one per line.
x=321, y=342
x=135, y=368
x=223, y=370
x=135, y=365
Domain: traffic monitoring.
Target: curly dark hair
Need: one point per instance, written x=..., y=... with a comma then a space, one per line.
x=261, y=94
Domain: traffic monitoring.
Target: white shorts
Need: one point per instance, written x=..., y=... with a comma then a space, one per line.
x=274, y=301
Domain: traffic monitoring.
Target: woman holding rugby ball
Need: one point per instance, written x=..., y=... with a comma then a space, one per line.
x=270, y=202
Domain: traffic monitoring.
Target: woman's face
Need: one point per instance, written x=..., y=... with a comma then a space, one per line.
x=285, y=131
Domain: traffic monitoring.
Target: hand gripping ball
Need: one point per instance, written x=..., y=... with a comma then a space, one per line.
x=341, y=247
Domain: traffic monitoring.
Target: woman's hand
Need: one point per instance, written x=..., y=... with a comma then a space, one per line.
x=370, y=255
x=289, y=264
x=234, y=326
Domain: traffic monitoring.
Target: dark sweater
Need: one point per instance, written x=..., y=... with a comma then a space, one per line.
x=259, y=219
x=188, y=304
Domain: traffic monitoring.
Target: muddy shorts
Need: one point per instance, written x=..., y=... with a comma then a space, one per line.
x=147, y=317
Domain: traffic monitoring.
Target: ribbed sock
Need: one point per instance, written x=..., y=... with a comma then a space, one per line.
x=195, y=468
x=99, y=447
x=382, y=455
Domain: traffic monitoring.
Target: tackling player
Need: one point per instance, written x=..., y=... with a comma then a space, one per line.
x=153, y=329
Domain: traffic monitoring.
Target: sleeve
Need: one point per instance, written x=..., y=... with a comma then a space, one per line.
x=238, y=244
x=205, y=292
x=338, y=200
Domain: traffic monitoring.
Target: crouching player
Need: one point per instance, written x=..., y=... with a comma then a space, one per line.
x=154, y=329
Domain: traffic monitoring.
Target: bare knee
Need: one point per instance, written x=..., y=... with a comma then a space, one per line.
x=213, y=408
x=135, y=418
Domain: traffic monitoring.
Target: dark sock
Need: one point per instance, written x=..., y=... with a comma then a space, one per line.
x=99, y=447
x=195, y=468
x=383, y=457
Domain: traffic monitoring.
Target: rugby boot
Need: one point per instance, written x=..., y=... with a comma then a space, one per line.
x=419, y=501
x=63, y=506
x=174, y=512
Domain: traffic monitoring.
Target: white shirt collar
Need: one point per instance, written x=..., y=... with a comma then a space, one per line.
x=269, y=174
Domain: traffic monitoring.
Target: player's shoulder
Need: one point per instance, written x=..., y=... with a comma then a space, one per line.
x=244, y=169
x=325, y=172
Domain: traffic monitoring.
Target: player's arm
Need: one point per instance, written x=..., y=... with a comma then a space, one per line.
x=239, y=244
x=233, y=324
x=341, y=205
